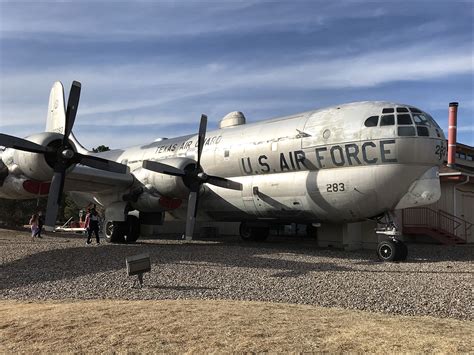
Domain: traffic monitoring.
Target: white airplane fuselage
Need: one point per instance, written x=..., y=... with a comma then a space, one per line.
x=323, y=165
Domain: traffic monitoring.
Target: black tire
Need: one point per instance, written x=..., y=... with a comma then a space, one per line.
x=245, y=232
x=402, y=251
x=253, y=234
x=311, y=231
x=114, y=232
x=261, y=234
x=387, y=251
x=132, y=229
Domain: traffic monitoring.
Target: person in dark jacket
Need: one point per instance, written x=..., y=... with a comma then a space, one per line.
x=40, y=224
x=92, y=225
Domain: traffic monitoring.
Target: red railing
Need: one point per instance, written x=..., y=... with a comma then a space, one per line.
x=440, y=220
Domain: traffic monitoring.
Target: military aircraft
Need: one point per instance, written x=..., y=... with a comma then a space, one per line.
x=338, y=164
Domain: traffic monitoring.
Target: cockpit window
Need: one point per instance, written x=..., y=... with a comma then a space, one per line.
x=422, y=131
x=420, y=119
x=406, y=131
x=402, y=109
x=387, y=120
x=404, y=119
x=388, y=110
x=415, y=110
x=372, y=121
x=431, y=120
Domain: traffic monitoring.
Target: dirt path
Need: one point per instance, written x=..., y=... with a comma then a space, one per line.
x=203, y=326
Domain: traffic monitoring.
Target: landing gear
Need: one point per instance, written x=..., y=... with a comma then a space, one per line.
x=392, y=249
x=133, y=229
x=253, y=233
x=114, y=231
x=122, y=232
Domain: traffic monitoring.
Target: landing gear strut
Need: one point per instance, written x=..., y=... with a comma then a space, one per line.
x=392, y=249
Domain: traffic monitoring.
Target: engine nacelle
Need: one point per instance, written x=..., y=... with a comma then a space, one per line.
x=167, y=185
x=36, y=166
x=20, y=188
x=149, y=201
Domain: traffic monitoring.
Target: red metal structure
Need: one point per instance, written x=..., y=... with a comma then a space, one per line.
x=452, y=127
x=440, y=225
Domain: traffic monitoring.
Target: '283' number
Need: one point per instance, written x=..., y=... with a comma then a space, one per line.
x=440, y=151
x=336, y=187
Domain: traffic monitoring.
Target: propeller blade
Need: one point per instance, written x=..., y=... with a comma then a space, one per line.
x=162, y=168
x=54, y=199
x=21, y=144
x=223, y=182
x=3, y=172
x=191, y=214
x=102, y=164
x=72, y=104
x=201, y=138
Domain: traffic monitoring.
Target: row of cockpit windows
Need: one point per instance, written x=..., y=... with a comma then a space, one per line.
x=413, y=124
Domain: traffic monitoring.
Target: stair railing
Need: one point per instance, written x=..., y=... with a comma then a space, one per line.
x=437, y=219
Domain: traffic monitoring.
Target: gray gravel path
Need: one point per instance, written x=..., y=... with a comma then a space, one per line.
x=435, y=281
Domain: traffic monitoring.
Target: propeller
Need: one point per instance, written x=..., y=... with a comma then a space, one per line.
x=62, y=156
x=193, y=177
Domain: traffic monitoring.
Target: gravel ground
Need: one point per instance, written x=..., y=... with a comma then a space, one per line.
x=435, y=281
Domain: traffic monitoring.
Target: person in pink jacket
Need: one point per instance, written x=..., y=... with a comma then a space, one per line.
x=34, y=223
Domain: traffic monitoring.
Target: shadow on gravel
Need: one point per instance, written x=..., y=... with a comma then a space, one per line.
x=74, y=262
x=70, y=263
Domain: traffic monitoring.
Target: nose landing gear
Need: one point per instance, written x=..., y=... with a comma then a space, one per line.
x=392, y=249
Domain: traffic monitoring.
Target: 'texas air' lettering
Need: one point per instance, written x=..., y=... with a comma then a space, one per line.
x=337, y=155
x=185, y=145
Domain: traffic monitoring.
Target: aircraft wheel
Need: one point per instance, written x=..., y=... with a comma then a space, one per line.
x=402, y=250
x=132, y=229
x=387, y=250
x=261, y=234
x=245, y=232
x=114, y=231
x=311, y=231
x=253, y=233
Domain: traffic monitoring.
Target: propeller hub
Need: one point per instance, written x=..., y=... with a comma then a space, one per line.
x=202, y=176
x=67, y=153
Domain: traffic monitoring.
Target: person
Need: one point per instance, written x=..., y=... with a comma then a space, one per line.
x=34, y=225
x=92, y=225
x=40, y=223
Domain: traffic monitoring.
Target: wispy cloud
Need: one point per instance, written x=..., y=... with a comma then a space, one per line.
x=161, y=65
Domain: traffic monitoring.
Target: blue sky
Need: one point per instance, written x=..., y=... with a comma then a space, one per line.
x=149, y=69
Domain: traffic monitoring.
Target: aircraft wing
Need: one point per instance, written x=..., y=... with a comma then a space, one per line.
x=85, y=179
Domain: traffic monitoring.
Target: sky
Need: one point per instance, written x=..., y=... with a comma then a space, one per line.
x=149, y=69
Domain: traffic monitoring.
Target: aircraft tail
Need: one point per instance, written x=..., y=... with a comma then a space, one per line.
x=56, y=119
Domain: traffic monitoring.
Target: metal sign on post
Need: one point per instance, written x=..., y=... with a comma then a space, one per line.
x=138, y=265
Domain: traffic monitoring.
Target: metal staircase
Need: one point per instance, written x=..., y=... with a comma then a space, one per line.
x=437, y=224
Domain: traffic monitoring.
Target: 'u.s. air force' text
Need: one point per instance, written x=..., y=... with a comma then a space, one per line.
x=350, y=154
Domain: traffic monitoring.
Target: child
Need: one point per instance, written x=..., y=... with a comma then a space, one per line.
x=34, y=222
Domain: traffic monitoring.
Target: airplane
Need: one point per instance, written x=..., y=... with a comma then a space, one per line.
x=347, y=163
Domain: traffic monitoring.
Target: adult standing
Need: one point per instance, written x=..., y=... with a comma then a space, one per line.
x=92, y=225
x=40, y=223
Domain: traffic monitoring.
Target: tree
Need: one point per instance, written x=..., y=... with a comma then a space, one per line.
x=100, y=148
x=70, y=209
x=16, y=213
